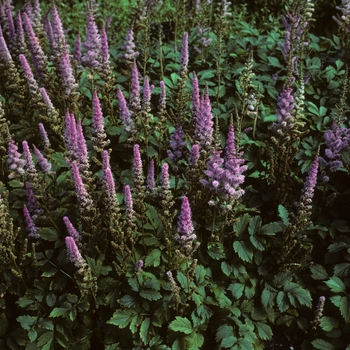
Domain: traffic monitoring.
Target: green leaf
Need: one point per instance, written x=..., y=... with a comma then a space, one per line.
x=268, y=298
x=59, y=160
x=344, y=307
x=26, y=321
x=59, y=311
x=254, y=225
x=318, y=272
x=49, y=234
x=3, y=324
x=32, y=335
x=196, y=341
x=336, y=285
x=46, y=340
x=271, y=228
x=216, y=251
x=342, y=270
x=264, y=331
x=258, y=242
x=50, y=299
x=322, y=344
x=150, y=294
x=128, y=301
x=282, y=301
x=122, y=318
x=301, y=294
x=182, y=280
x=226, y=268
x=329, y=323
x=224, y=331
x=153, y=258
x=229, y=342
x=283, y=214
x=144, y=330
x=244, y=344
x=240, y=226
x=236, y=289
x=274, y=62
x=243, y=250
x=181, y=324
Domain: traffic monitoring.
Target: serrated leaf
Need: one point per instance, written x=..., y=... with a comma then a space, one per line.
x=243, y=250
x=283, y=214
x=45, y=339
x=196, y=341
x=329, y=323
x=344, y=307
x=59, y=311
x=264, y=331
x=216, y=251
x=153, y=258
x=122, y=318
x=26, y=321
x=150, y=294
x=282, y=301
x=268, y=298
x=49, y=234
x=32, y=335
x=336, y=285
x=3, y=324
x=226, y=268
x=271, y=228
x=322, y=344
x=302, y=295
x=229, y=342
x=342, y=270
x=224, y=331
x=240, y=226
x=144, y=330
x=128, y=301
x=182, y=279
x=236, y=289
x=181, y=324
x=254, y=225
x=257, y=242
x=318, y=272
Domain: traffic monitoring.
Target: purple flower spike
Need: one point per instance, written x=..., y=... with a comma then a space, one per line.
x=32, y=202
x=135, y=102
x=176, y=144
x=46, y=99
x=184, y=55
x=104, y=46
x=4, y=52
x=21, y=44
x=97, y=120
x=310, y=183
x=139, y=266
x=82, y=151
x=146, y=101
x=125, y=113
x=92, y=44
x=204, y=123
x=185, y=220
x=58, y=36
x=138, y=173
x=73, y=252
x=195, y=97
x=44, y=164
x=16, y=164
x=77, y=49
x=162, y=97
x=164, y=180
x=33, y=86
x=105, y=162
x=30, y=226
x=230, y=149
x=151, y=183
x=129, y=46
x=129, y=211
x=71, y=230
x=110, y=185
x=30, y=167
x=49, y=31
x=82, y=195
x=66, y=73
x=194, y=155
x=11, y=29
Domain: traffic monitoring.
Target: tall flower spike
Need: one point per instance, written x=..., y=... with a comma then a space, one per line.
x=32, y=203
x=204, y=124
x=82, y=152
x=176, y=144
x=135, y=102
x=11, y=29
x=71, y=230
x=230, y=149
x=4, y=52
x=195, y=97
x=59, y=40
x=99, y=135
x=92, y=45
x=44, y=164
x=129, y=47
x=73, y=253
x=82, y=195
x=194, y=155
x=162, y=97
x=129, y=211
x=16, y=163
x=105, y=68
x=77, y=48
x=125, y=113
x=30, y=167
x=138, y=172
x=33, y=86
x=68, y=81
x=151, y=183
x=30, y=226
x=146, y=100
x=110, y=186
x=309, y=186
x=184, y=56
x=44, y=137
x=21, y=44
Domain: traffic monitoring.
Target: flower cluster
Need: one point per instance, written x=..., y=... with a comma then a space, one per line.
x=16, y=163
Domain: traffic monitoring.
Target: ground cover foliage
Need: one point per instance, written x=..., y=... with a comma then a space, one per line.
x=174, y=175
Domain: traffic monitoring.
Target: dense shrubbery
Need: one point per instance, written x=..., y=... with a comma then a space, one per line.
x=174, y=177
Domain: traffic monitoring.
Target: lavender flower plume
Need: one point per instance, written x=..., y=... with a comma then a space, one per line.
x=44, y=164
x=151, y=183
x=204, y=124
x=129, y=47
x=135, y=102
x=195, y=97
x=58, y=37
x=11, y=29
x=184, y=56
x=105, y=68
x=30, y=226
x=194, y=155
x=146, y=99
x=21, y=44
x=68, y=81
x=110, y=185
x=71, y=230
x=30, y=167
x=82, y=195
x=44, y=137
x=81, y=150
x=46, y=100
x=129, y=211
x=39, y=58
x=4, y=52
x=77, y=48
x=70, y=136
x=99, y=134
x=73, y=252
x=164, y=180
x=309, y=186
x=49, y=32
x=105, y=162
x=125, y=113
x=230, y=148
x=139, y=266
x=92, y=45
x=176, y=144
x=162, y=97
x=33, y=86
x=285, y=105
x=16, y=163
x=32, y=203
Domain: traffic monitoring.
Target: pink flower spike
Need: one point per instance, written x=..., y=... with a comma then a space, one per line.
x=162, y=97
x=30, y=167
x=104, y=46
x=129, y=211
x=30, y=226
x=71, y=230
x=138, y=176
x=165, y=181
x=4, y=52
x=125, y=113
x=135, y=102
x=185, y=220
x=44, y=164
x=184, y=55
x=151, y=183
x=73, y=252
x=97, y=117
x=82, y=195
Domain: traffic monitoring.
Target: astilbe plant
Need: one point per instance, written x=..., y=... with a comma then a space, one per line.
x=138, y=211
